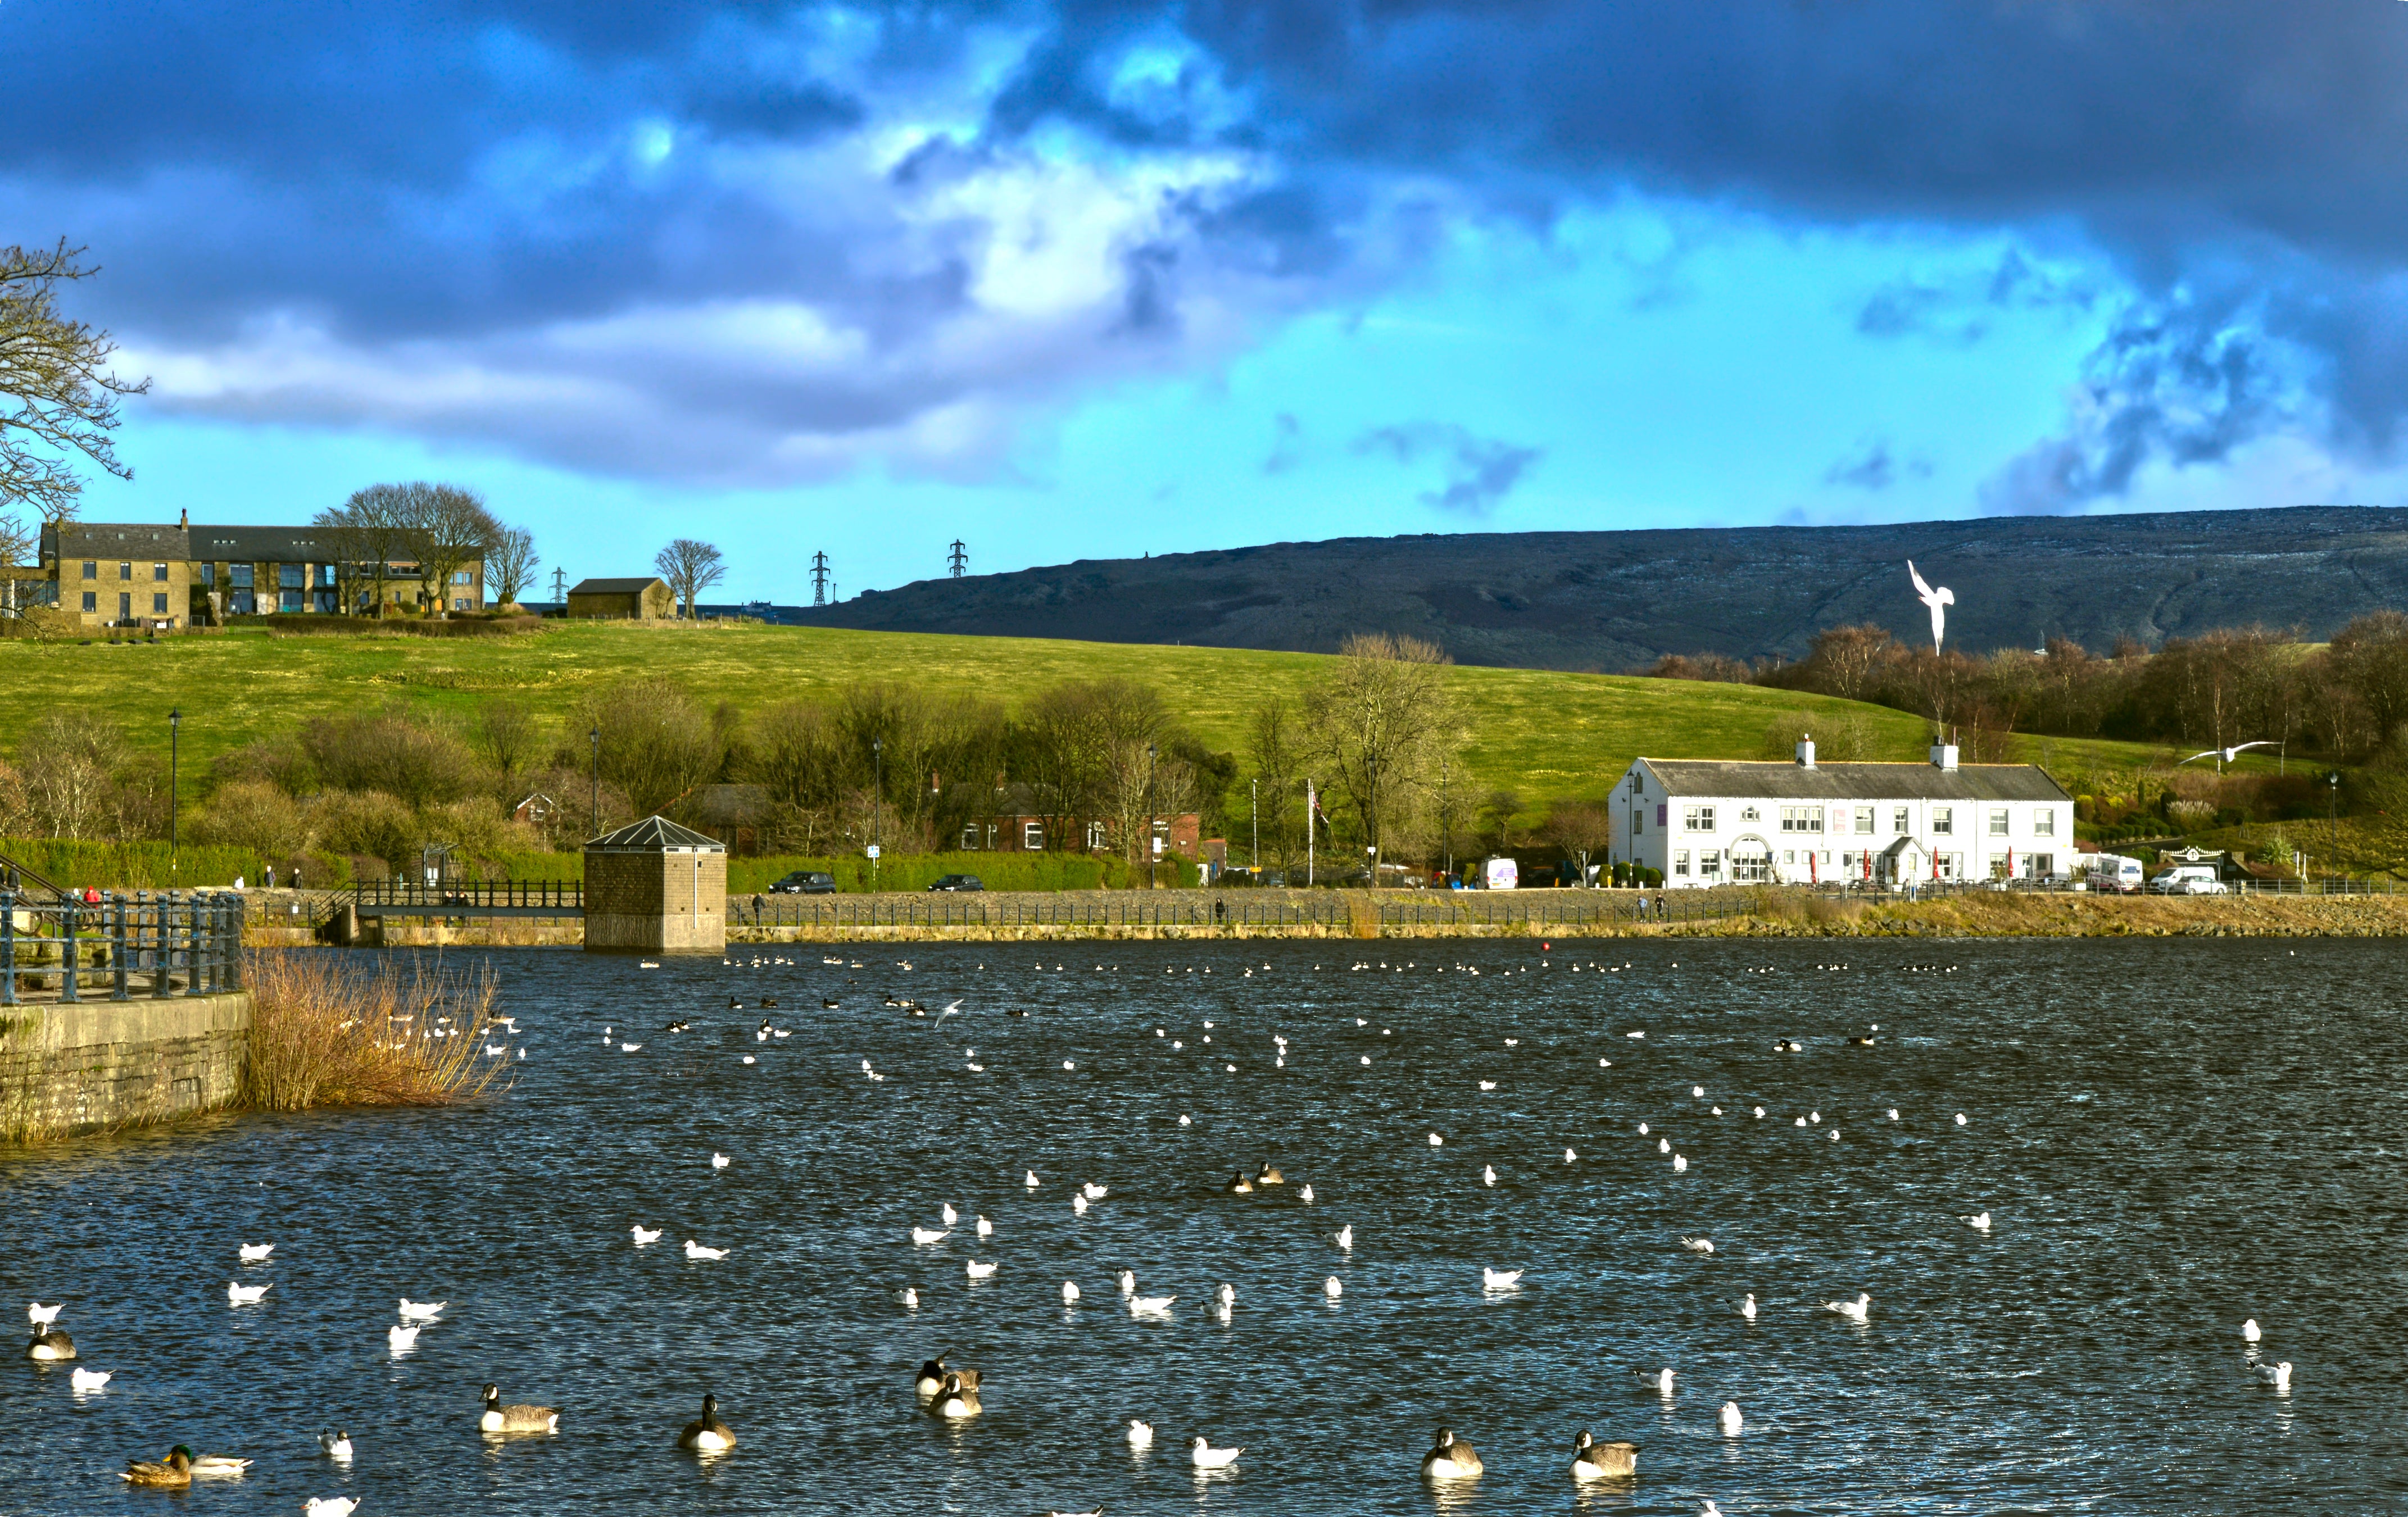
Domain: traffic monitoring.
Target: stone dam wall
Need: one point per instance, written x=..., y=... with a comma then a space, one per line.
x=86, y=1067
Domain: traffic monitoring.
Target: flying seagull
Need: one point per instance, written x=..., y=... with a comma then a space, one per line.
x=1935, y=600
x=2225, y=755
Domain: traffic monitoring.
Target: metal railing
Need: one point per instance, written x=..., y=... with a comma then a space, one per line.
x=1238, y=909
x=566, y=897
x=154, y=944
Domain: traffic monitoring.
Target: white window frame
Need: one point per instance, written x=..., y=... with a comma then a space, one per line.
x=1750, y=814
x=2044, y=822
x=1679, y=863
x=1710, y=864
x=1802, y=819
x=1697, y=818
x=1865, y=821
x=1032, y=837
x=1943, y=820
x=970, y=838
x=1095, y=837
x=1999, y=827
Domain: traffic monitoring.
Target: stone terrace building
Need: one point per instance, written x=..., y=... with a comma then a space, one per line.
x=117, y=574
x=1706, y=823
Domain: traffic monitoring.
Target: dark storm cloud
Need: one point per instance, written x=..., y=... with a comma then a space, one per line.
x=429, y=184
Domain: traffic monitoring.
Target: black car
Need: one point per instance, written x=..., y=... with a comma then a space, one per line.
x=959, y=882
x=806, y=882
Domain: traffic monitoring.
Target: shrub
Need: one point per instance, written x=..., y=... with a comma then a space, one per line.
x=326, y=1032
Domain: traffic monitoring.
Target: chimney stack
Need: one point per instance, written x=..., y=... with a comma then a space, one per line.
x=184, y=521
x=1806, y=753
x=1943, y=756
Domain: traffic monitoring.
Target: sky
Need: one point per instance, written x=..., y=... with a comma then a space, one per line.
x=1073, y=281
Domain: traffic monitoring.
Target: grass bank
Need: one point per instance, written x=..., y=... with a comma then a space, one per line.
x=1543, y=732
x=325, y=1032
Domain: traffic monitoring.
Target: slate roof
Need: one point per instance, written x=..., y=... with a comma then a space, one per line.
x=267, y=545
x=615, y=587
x=1784, y=781
x=654, y=834
x=109, y=539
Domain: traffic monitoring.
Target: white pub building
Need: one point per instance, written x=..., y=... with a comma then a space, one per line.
x=1703, y=821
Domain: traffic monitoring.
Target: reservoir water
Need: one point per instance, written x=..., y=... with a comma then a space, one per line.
x=2171, y=1136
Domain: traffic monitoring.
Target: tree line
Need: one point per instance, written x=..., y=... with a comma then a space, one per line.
x=1374, y=739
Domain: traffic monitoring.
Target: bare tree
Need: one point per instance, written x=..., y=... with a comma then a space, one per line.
x=1272, y=744
x=691, y=567
x=1378, y=723
x=57, y=398
x=452, y=527
x=1579, y=829
x=655, y=744
x=64, y=765
x=1496, y=811
x=510, y=562
x=373, y=531
x=506, y=732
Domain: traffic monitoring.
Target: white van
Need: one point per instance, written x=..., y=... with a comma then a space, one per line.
x=2116, y=874
x=1500, y=873
x=2187, y=880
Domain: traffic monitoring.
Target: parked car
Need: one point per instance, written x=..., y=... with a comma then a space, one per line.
x=959, y=882
x=806, y=882
x=2187, y=880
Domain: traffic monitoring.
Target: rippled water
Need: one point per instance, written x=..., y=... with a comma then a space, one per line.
x=2171, y=1136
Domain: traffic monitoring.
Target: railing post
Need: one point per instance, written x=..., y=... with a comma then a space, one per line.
x=161, y=950
x=68, y=989
x=7, y=948
x=117, y=947
x=233, y=952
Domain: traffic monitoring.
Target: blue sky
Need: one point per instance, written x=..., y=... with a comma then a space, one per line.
x=1070, y=280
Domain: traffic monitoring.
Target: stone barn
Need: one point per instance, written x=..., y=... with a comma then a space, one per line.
x=620, y=600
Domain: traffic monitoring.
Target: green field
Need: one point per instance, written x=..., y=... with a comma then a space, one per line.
x=1539, y=732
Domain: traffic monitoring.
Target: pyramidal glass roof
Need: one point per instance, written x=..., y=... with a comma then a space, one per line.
x=654, y=834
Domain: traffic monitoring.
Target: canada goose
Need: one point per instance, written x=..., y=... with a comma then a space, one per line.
x=1241, y=1185
x=931, y=1377
x=337, y=1444
x=1269, y=1175
x=1595, y=1461
x=826, y=1005
x=707, y=1434
x=498, y=1417
x=1450, y=1459
x=50, y=1343
x=956, y=1399
x=174, y=1472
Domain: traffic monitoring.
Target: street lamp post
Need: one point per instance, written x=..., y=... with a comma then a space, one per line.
x=1254, y=808
x=593, y=741
x=1445, y=818
x=175, y=726
x=1150, y=753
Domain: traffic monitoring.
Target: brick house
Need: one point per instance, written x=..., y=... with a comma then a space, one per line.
x=1016, y=828
x=113, y=574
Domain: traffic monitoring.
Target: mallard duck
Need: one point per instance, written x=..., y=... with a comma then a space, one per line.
x=49, y=1343
x=707, y=1434
x=1450, y=1459
x=956, y=1399
x=498, y=1417
x=1595, y=1461
x=175, y=1472
x=218, y=1466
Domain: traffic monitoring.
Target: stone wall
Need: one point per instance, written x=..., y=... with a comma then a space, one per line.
x=73, y=1069
x=655, y=903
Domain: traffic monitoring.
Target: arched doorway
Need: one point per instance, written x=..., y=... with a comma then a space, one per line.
x=1750, y=862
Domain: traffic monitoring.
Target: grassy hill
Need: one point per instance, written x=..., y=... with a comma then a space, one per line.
x=1541, y=733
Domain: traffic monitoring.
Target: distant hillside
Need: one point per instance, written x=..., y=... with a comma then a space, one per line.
x=1619, y=600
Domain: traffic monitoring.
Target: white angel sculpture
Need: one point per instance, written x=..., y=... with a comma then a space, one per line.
x=1935, y=600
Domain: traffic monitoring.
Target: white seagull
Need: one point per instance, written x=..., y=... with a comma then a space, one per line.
x=946, y=1210
x=245, y=1295
x=644, y=1235
x=1731, y=1419
x=42, y=1316
x=1150, y=1305
x=88, y=1379
x=1936, y=599
x=422, y=1311
x=1499, y=1279
x=1141, y=1434
x=977, y=1270
x=1747, y=1306
x=1344, y=1238
x=1208, y=1457
x=719, y=1160
x=1333, y=1287
x=1699, y=1245
x=254, y=1253
x=330, y=1506
x=401, y=1339
x=1070, y=1291
x=2277, y=1376
x=931, y=1234
x=2225, y=755
x=1856, y=1310
x=2249, y=1331
x=695, y=1251
x=1979, y=1221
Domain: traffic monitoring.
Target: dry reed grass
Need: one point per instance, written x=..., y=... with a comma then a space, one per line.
x=325, y=1032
